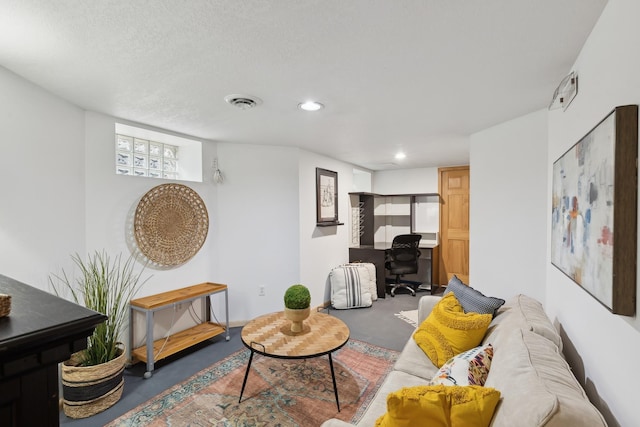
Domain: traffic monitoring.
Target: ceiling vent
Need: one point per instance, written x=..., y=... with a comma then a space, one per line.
x=243, y=102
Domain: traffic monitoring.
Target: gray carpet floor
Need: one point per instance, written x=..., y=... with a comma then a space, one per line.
x=375, y=325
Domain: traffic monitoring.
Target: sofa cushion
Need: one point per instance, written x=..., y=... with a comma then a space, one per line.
x=448, y=330
x=471, y=299
x=394, y=381
x=467, y=368
x=440, y=406
x=537, y=386
x=521, y=312
x=414, y=361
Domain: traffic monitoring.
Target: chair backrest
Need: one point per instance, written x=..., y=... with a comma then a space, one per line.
x=404, y=250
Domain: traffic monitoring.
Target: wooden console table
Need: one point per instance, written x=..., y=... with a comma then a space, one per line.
x=164, y=347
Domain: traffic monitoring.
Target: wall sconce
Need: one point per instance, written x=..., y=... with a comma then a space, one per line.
x=217, y=173
x=565, y=92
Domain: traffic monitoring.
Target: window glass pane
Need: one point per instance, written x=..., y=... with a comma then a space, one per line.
x=169, y=165
x=123, y=171
x=124, y=143
x=155, y=148
x=143, y=157
x=170, y=152
x=140, y=161
x=170, y=175
x=155, y=163
x=141, y=146
x=123, y=159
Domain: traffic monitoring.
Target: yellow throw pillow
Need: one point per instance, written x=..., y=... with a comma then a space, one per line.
x=448, y=330
x=440, y=406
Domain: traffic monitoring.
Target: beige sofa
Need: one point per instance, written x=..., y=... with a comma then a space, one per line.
x=536, y=384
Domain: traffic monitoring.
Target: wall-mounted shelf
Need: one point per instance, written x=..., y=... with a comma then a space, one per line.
x=382, y=216
x=378, y=218
x=328, y=224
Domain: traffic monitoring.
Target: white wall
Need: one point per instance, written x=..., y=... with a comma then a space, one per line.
x=65, y=198
x=405, y=181
x=112, y=199
x=599, y=345
x=322, y=248
x=258, y=226
x=42, y=181
x=508, y=208
x=110, y=203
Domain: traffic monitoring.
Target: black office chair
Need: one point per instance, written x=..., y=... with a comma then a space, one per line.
x=402, y=259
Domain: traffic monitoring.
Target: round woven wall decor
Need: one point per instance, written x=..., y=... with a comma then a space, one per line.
x=170, y=224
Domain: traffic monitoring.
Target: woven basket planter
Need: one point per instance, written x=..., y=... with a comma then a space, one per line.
x=87, y=390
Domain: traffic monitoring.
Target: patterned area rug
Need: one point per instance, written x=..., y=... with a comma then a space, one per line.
x=279, y=392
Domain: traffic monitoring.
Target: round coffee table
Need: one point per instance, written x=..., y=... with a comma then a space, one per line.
x=269, y=335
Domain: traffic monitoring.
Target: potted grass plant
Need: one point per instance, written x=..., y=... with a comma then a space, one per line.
x=297, y=301
x=92, y=379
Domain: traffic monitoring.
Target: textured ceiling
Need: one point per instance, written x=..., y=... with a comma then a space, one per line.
x=411, y=75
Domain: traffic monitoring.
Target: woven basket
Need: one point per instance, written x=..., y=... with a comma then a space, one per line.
x=170, y=224
x=5, y=305
x=88, y=390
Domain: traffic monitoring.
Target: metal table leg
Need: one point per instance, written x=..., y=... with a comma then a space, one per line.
x=150, y=362
x=246, y=375
x=333, y=376
x=226, y=309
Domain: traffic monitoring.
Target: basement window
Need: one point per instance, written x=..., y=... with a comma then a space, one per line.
x=145, y=153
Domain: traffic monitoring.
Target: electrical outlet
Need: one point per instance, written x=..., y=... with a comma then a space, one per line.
x=178, y=307
x=261, y=291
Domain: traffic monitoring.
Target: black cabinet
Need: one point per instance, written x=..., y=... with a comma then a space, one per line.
x=41, y=331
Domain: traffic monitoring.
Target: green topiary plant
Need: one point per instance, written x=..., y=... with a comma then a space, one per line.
x=297, y=297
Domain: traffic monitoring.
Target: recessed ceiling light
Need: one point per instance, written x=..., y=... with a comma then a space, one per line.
x=400, y=156
x=310, y=106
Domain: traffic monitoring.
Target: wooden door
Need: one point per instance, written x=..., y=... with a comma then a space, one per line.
x=454, y=223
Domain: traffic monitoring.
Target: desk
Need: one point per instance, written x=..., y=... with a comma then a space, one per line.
x=41, y=331
x=427, y=264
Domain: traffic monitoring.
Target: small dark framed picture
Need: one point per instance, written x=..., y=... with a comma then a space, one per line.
x=326, y=196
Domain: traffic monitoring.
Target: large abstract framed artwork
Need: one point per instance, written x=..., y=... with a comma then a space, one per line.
x=327, y=197
x=594, y=211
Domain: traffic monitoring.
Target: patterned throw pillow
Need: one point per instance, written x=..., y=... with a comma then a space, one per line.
x=448, y=330
x=468, y=368
x=472, y=300
x=373, y=289
x=439, y=405
x=350, y=286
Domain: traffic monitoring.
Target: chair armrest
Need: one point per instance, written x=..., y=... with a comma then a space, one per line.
x=425, y=305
